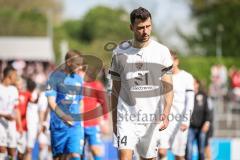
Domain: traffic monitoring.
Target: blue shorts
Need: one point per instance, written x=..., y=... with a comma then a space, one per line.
x=66, y=141
x=92, y=135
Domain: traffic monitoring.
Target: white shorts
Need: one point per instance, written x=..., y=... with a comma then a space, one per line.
x=8, y=133
x=175, y=139
x=21, y=142
x=142, y=137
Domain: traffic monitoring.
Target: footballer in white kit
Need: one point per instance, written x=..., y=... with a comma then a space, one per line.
x=143, y=112
x=8, y=101
x=138, y=70
x=32, y=121
x=175, y=136
x=8, y=112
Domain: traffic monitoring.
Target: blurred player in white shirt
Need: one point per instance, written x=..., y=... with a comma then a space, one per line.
x=44, y=136
x=175, y=136
x=8, y=113
x=32, y=119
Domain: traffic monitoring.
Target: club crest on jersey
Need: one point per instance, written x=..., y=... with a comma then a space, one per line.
x=139, y=65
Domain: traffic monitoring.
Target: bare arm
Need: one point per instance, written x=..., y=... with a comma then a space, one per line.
x=11, y=116
x=43, y=115
x=102, y=99
x=18, y=120
x=53, y=105
x=168, y=98
x=114, y=101
x=6, y=116
x=208, y=116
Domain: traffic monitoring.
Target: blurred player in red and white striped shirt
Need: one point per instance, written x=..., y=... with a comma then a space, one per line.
x=24, y=98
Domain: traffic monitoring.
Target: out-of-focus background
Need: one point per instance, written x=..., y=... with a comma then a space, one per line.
x=36, y=34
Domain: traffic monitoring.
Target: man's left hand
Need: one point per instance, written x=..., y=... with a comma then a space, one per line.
x=205, y=127
x=183, y=127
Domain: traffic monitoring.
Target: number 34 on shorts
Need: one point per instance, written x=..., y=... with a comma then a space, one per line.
x=122, y=141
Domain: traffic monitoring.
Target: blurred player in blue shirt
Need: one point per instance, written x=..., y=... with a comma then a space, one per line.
x=64, y=92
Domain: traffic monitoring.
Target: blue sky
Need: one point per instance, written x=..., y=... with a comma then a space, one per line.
x=168, y=15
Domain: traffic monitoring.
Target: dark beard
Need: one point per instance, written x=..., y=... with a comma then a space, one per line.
x=141, y=40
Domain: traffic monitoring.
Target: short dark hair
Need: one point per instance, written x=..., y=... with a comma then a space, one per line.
x=72, y=53
x=31, y=85
x=173, y=54
x=198, y=81
x=140, y=13
x=7, y=71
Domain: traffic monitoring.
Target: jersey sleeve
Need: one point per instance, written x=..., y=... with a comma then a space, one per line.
x=15, y=97
x=51, y=89
x=114, y=70
x=167, y=62
x=42, y=102
x=189, y=97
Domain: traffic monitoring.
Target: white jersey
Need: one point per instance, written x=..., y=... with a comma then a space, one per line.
x=43, y=106
x=8, y=99
x=182, y=85
x=140, y=71
x=42, y=102
x=33, y=110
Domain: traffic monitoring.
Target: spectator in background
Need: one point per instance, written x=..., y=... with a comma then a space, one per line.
x=218, y=87
x=39, y=77
x=234, y=74
x=219, y=74
x=199, y=124
x=94, y=99
x=19, y=65
x=37, y=71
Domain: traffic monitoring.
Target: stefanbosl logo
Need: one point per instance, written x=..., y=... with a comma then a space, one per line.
x=94, y=66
